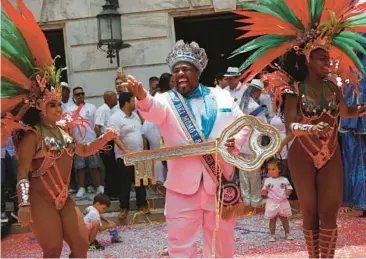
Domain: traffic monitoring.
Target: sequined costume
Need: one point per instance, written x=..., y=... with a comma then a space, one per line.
x=31, y=103
x=310, y=113
x=320, y=38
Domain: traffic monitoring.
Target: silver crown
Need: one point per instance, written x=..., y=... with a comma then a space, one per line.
x=191, y=53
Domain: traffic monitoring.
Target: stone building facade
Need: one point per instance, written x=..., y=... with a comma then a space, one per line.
x=147, y=25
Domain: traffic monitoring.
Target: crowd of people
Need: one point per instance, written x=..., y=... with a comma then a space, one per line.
x=55, y=143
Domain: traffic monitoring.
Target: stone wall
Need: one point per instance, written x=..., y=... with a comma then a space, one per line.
x=147, y=25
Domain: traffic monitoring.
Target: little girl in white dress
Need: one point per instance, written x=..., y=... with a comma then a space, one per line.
x=277, y=189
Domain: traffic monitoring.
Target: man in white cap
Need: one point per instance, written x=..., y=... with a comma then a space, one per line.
x=190, y=113
x=250, y=182
x=260, y=98
x=235, y=87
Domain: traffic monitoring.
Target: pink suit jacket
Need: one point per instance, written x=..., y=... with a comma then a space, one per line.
x=185, y=174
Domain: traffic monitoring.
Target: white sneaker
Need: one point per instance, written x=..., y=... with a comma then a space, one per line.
x=100, y=189
x=90, y=189
x=272, y=238
x=81, y=192
x=289, y=237
x=72, y=191
x=4, y=218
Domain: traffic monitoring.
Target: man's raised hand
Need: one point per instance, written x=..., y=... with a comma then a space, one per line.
x=135, y=88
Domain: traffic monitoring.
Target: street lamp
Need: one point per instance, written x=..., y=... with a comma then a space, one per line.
x=110, y=30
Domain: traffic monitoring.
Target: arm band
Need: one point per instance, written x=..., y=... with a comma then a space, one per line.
x=23, y=192
x=299, y=129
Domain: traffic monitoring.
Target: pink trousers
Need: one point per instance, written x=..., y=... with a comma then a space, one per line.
x=186, y=216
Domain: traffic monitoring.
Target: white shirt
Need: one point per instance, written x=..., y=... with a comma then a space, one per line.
x=129, y=130
x=67, y=105
x=102, y=116
x=87, y=112
x=219, y=87
x=92, y=215
x=237, y=92
x=116, y=108
x=152, y=133
x=198, y=108
x=277, y=187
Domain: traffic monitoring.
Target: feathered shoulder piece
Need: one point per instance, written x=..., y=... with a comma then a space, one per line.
x=303, y=25
x=28, y=74
x=278, y=84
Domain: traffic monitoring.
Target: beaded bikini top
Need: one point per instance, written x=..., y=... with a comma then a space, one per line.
x=312, y=111
x=54, y=147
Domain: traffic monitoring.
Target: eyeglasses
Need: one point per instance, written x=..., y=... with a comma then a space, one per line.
x=80, y=94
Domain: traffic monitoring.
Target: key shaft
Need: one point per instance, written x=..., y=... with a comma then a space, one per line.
x=167, y=153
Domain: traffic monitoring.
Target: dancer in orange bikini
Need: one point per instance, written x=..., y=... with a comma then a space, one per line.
x=45, y=153
x=316, y=41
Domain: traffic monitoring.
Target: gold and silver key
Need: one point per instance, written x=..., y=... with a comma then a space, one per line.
x=143, y=160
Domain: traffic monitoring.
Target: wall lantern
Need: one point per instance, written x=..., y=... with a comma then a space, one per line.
x=110, y=30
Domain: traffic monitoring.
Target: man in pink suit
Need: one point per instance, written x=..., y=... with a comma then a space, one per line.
x=192, y=113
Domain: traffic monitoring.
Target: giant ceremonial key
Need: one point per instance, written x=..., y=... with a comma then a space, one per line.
x=143, y=160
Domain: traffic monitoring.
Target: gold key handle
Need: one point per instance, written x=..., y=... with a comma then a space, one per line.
x=259, y=152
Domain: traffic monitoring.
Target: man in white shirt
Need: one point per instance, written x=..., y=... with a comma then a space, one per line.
x=66, y=100
x=129, y=129
x=104, y=112
x=235, y=87
x=191, y=185
x=85, y=111
x=102, y=116
x=262, y=98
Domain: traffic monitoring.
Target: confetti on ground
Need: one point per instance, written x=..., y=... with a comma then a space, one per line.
x=251, y=240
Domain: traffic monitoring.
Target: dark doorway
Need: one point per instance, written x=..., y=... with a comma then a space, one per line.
x=216, y=34
x=56, y=43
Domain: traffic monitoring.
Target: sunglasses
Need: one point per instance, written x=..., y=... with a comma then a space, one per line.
x=80, y=94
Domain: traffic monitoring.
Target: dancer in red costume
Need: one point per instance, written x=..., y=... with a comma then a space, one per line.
x=45, y=153
x=316, y=40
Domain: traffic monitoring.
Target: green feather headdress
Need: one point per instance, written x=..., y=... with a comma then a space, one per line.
x=27, y=69
x=303, y=25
